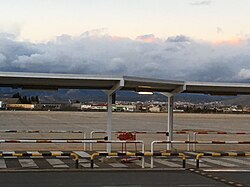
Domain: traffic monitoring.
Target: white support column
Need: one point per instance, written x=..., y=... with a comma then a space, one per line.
x=109, y=93
x=109, y=122
x=170, y=120
x=170, y=128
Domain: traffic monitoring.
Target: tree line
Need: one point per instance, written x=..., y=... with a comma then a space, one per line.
x=26, y=100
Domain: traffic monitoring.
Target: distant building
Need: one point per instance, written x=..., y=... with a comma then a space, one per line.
x=10, y=100
x=20, y=106
x=124, y=108
x=153, y=108
x=49, y=106
x=85, y=107
x=5, y=103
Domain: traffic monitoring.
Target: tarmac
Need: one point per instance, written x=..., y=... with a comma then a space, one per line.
x=221, y=171
x=120, y=178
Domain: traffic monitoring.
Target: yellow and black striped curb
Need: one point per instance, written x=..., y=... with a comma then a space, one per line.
x=44, y=154
x=221, y=154
x=138, y=154
x=216, y=178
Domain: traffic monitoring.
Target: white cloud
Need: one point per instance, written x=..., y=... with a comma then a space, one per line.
x=244, y=74
x=177, y=57
x=205, y=2
x=219, y=30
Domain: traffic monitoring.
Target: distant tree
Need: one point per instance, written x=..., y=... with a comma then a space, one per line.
x=24, y=100
x=37, y=100
x=16, y=95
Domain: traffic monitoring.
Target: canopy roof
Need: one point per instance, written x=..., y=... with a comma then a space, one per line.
x=78, y=81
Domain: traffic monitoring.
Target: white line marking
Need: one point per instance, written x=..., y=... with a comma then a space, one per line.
x=237, y=160
x=227, y=170
x=213, y=161
x=27, y=163
x=219, y=162
x=138, y=162
x=82, y=154
x=56, y=163
x=168, y=163
x=193, y=163
x=118, y=165
x=86, y=163
x=2, y=164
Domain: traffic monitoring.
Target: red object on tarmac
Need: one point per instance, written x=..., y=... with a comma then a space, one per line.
x=127, y=136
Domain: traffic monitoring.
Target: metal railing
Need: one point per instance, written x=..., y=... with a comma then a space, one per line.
x=47, y=132
x=77, y=141
x=92, y=133
x=215, y=133
x=197, y=142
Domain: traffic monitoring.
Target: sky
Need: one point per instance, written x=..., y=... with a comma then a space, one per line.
x=202, y=40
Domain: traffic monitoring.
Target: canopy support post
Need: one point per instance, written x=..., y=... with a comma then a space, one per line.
x=170, y=124
x=110, y=93
x=170, y=121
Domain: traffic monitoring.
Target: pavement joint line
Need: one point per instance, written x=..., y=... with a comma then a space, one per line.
x=216, y=178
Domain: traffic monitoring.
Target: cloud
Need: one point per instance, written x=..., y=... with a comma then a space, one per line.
x=244, y=74
x=206, y=2
x=177, y=57
x=147, y=38
x=219, y=30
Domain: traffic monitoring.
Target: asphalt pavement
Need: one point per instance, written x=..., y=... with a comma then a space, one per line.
x=108, y=178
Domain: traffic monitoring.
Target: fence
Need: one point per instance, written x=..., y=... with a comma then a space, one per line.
x=215, y=133
x=47, y=132
x=141, y=132
x=197, y=142
x=78, y=141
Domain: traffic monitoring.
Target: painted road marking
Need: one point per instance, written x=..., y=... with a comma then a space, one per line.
x=238, y=161
x=213, y=161
x=118, y=165
x=27, y=163
x=227, y=170
x=2, y=164
x=138, y=163
x=56, y=163
x=167, y=163
x=193, y=163
x=86, y=163
x=219, y=162
x=82, y=154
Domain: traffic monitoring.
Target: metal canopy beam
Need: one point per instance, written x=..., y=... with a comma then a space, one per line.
x=77, y=81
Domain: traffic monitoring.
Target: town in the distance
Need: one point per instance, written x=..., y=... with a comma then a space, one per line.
x=18, y=101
